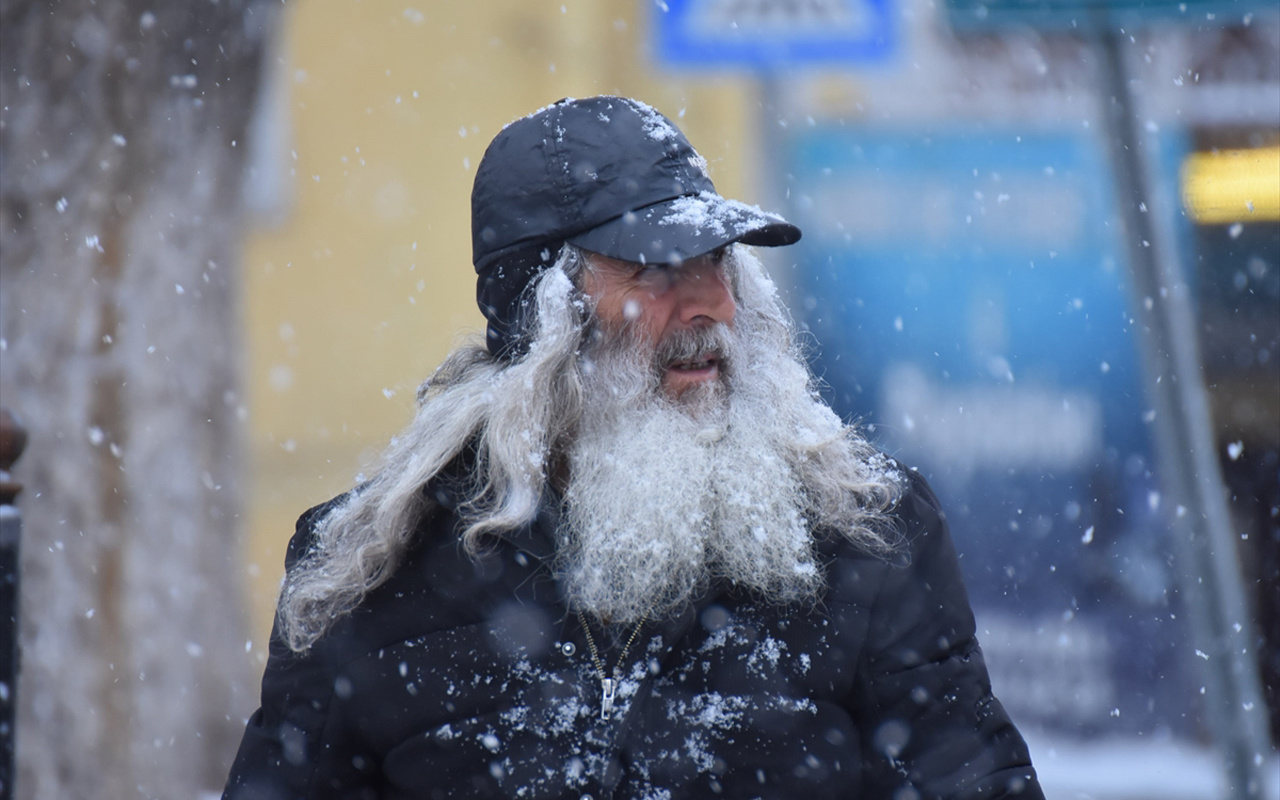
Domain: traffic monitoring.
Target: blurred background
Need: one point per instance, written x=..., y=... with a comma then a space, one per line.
x=1041, y=264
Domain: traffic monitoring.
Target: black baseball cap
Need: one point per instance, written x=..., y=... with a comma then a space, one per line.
x=608, y=174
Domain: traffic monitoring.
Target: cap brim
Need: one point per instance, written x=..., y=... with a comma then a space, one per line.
x=685, y=227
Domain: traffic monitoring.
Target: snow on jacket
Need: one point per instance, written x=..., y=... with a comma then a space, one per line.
x=466, y=677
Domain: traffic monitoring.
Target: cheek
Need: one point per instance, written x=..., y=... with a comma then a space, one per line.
x=651, y=315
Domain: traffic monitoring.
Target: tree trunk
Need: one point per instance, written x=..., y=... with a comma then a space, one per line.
x=122, y=143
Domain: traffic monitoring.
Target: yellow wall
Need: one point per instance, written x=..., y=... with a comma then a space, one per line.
x=363, y=288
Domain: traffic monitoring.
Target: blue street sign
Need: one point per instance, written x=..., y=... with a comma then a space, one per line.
x=770, y=34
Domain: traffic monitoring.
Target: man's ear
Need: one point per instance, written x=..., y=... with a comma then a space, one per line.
x=576, y=264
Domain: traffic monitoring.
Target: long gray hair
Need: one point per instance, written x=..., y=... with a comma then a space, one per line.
x=519, y=415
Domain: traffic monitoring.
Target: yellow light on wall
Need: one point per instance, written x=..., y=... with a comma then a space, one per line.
x=1232, y=186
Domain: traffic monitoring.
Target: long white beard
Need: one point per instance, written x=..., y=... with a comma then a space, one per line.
x=666, y=496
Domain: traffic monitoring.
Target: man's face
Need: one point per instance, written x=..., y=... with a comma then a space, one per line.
x=658, y=300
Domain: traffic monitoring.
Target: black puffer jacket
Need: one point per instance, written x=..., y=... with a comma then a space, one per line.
x=467, y=678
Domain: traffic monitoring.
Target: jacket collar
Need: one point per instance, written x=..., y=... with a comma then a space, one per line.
x=538, y=538
x=450, y=488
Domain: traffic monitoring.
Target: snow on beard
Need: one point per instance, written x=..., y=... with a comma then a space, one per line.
x=666, y=495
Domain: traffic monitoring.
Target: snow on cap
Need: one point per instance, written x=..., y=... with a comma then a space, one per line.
x=609, y=174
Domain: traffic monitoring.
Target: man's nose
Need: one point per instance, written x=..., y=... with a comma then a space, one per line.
x=703, y=294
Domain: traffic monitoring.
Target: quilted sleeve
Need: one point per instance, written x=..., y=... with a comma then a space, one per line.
x=936, y=730
x=288, y=750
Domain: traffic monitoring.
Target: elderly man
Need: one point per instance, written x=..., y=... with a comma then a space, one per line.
x=623, y=550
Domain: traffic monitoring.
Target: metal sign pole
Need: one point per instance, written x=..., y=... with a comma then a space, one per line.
x=1207, y=563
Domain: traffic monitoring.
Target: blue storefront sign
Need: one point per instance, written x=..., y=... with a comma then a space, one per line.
x=969, y=295
x=766, y=35
x=1098, y=15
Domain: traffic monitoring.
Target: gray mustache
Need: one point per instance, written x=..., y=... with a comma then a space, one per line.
x=686, y=345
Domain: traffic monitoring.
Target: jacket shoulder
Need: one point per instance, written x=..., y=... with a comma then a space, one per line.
x=304, y=531
x=918, y=510
x=441, y=492
x=913, y=523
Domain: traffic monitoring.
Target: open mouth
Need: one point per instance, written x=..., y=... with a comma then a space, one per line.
x=703, y=362
x=686, y=359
